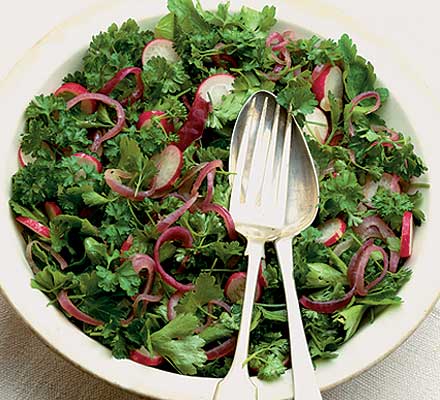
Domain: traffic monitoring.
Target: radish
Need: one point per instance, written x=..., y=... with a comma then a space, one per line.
x=262, y=281
x=142, y=356
x=407, y=233
x=212, y=89
x=160, y=48
x=387, y=181
x=327, y=78
x=235, y=285
x=332, y=230
x=169, y=164
x=317, y=125
x=35, y=226
x=145, y=119
x=52, y=209
x=87, y=159
x=23, y=159
x=70, y=90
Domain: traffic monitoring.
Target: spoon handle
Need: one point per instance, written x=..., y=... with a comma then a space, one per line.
x=305, y=386
x=237, y=383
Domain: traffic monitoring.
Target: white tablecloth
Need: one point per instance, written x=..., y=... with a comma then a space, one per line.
x=31, y=371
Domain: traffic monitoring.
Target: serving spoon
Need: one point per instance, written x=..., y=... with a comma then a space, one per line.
x=274, y=197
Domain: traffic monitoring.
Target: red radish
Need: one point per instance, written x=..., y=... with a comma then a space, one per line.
x=327, y=79
x=390, y=182
x=160, y=48
x=127, y=244
x=70, y=90
x=52, y=209
x=212, y=89
x=387, y=181
x=142, y=356
x=145, y=119
x=35, y=226
x=332, y=230
x=169, y=165
x=262, y=281
x=23, y=159
x=87, y=159
x=407, y=233
x=317, y=125
x=235, y=285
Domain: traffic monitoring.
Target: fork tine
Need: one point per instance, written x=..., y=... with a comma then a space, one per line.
x=282, y=184
x=237, y=182
x=259, y=156
x=267, y=198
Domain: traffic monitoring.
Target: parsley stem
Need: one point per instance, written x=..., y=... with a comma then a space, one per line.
x=270, y=305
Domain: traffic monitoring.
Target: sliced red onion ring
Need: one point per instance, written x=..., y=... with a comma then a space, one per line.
x=120, y=75
x=175, y=233
x=172, y=302
x=222, y=350
x=106, y=100
x=142, y=262
x=61, y=261
x=207, y=168
x=112, y=178
x=222, y=60
x=359, y=98
x=224, y=213
x=147, y=298
x=209, y=320
x=142, y=356
x=327, y=307
x=356, y=269
x=375, y=227
x=67, y=305
x=394, y=136
x=175, y=215
x=210, y=187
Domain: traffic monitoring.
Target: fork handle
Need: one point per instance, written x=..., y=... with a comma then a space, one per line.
x=237, y=383
x=305, y=386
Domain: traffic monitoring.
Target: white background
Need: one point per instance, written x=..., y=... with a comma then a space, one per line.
x=412, y=26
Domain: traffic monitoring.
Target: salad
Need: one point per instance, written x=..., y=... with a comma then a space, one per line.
x=122, y=192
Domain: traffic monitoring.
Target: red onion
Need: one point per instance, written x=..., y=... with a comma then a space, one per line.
x=375, y=227
x=141, y=262
x=358, y=263
x=327, y=307
x=209, y=187
x=120, y=75
x=394, y=136
x=224, y=213
x=175, y=215
x=67, y=305
x=142, y=356
x=222, y=350
x=222, y=60
x=147, y=298
x=209, y=320
x=171, y=234
x=112, y=178
x=207, y=168
x=172, y=302
x=355, y=102
x=106, y=100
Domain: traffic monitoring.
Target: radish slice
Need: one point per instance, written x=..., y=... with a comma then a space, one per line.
x=142, y=356
x=213, y=89
x=67, y=305
x=317, y=125
x=407, y=234
x=145, y=119
x=87, y=159
x=169, y=165
x=327, y=79
x=35, y=226
x=235, y=285
x=160, y=48
x=23, y=159
x=262, y=281
x=52, y=209
x=70, y=90
x=388, y=181
x=332, y=230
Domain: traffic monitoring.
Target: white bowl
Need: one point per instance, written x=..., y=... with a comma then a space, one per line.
x=41, y=70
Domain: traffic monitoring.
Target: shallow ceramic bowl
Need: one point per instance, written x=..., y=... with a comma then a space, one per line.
x=61, y=50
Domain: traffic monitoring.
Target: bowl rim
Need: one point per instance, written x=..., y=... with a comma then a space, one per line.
x=43, y=46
